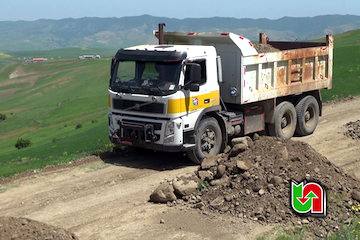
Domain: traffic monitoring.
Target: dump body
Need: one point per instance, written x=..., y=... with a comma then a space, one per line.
x=249, y=75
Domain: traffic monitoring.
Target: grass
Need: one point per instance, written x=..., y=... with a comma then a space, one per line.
x=63, y=53
x=298, y=233
x=48, y=112
x=350, y=38
x=347, y=232
x=346, y=79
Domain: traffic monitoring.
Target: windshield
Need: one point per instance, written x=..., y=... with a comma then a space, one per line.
x=153, y=78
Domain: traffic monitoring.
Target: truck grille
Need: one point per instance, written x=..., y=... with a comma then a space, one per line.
x=157, y=126
x=138, y=106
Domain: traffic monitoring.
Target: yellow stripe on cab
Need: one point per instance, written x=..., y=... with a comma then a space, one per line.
x=193, y=103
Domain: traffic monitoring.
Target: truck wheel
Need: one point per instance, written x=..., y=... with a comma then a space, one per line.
x=208, y=140
x=284, y=121
x=308, y=113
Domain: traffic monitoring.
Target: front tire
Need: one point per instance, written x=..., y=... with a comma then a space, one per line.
x=308, y=113
x=284, y=121
x=208, y=140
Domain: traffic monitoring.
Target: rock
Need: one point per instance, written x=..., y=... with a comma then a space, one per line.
x=163, y=193
x=317, y=170
x=247, y=191
x=284, y=153
x=257, y=159
x=261, y=192
x=256, y=188
x=217, y=202
x=162, y=221
x=256, y=137
x=308, y=177
x=220, y=182
x=295, y=159
x=270, y=186
x=243, y=166
x=229, y=198
x=209, y=162
x=305, y=221
x=199, y=205
x=246, y=175
x=221, y=170
x=227, y=149
x=237, y=149
x=184, y=187
x=276, y=181
x=242, y=140
x=355, y=195
x=206, y=175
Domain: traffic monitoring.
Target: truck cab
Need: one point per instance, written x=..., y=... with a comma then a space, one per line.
x=158, y=92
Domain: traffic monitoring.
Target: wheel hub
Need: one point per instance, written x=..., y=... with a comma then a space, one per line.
x=208, y=139
x=284, y=122
x=307, y=116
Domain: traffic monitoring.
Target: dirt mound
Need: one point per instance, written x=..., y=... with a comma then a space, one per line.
x=353, y=130
x=26, y=229
x=265, y=48
x=252, y=182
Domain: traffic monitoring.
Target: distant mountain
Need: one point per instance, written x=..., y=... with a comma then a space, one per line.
x=120, y=32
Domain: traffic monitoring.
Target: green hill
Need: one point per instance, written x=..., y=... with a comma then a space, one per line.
x=63, y=53
x=346, y=66
x=60, y=106
x=350, y=38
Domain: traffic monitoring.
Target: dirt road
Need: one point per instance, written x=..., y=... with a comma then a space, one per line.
x=107, y=198
x=329, y=138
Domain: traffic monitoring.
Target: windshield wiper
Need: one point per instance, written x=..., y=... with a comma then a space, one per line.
x=138, y=106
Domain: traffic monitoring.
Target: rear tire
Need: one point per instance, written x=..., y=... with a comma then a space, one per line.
x=308, y=112
x=208, y=140
x=284, y=121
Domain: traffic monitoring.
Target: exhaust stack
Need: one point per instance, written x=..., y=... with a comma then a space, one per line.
x=161, y=33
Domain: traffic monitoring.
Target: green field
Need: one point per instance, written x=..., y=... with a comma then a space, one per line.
x=45, y=102
x=63, y=53
x=346, y=66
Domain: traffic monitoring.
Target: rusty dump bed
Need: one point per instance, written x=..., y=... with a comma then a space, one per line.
x=297, y=67
x=266, y=70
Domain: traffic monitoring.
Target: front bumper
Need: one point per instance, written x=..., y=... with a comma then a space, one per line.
x=146, y=133
x=152, y=146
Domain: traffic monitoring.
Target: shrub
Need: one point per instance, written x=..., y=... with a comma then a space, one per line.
x=2, y=117
x=78, y=126
x=22, y=143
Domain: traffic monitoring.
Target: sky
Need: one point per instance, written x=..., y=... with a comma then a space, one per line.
x=273, y=9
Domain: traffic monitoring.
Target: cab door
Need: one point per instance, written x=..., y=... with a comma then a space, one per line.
x=201, y=92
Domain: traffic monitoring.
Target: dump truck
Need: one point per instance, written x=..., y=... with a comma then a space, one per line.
x=194, y=92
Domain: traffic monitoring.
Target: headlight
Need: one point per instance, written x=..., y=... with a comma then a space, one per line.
x=169, y=129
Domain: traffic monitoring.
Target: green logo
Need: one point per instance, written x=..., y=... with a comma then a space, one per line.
x=308, y=199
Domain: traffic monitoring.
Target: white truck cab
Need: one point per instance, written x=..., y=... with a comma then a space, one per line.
x=193, y=91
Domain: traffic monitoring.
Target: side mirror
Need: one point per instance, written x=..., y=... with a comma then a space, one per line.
x=192, y=76
x=112, y=67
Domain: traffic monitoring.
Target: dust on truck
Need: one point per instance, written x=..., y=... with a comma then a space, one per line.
x=193, y=92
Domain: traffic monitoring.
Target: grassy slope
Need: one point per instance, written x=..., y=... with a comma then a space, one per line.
x=46, y=112
x=346, y=66
x=63, y=53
